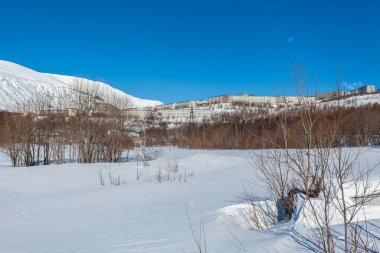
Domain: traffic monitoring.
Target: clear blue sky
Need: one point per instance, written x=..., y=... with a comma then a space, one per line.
x=180, y=50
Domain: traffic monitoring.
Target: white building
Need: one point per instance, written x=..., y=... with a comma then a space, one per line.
x=366, y=89
x=207, y=109
x=330, y=94
x=260, y=100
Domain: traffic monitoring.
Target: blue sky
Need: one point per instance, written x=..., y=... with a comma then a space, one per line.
x=182, y=50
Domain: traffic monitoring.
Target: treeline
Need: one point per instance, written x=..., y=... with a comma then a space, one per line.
x=358, y=126
x=98, y=132
x=94, y=132
x=30, y=140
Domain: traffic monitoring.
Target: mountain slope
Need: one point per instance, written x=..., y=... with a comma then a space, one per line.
x=21, y=86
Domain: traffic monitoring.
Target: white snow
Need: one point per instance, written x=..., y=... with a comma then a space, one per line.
x=64, y=208
x=354, y=101
x=20, y=85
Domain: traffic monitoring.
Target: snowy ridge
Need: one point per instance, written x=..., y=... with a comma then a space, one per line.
x=20, y=86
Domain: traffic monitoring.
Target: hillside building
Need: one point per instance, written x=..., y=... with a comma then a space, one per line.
x=367, y=89
x=330, y=94
x=198, y=111
x=249, y=99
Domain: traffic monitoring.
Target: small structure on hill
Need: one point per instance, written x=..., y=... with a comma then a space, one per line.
x=366, y=89
x=330, y=94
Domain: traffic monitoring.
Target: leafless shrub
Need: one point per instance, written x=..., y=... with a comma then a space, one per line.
x=172, y=174
x=235, y=242
x=320, y=170
x=101, y=178
x=260, y=214
x=362, y=239
x=92, y=129
x=145, y=155
x=116, y=180
x=152, y=153
x=199, y=235
x=159, y=176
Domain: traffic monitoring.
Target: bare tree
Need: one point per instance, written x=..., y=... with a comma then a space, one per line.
x=319, y=168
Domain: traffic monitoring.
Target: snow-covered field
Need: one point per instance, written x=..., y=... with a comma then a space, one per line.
x=64, y=208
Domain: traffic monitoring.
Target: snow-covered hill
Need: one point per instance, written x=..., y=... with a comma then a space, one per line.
x=21, y=86
x=354, y=101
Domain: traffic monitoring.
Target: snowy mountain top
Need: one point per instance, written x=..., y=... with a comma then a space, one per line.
x=17, y=71
x=20, y=85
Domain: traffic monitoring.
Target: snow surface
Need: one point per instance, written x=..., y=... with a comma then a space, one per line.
x=354, y=101
x=64, y=208
x=20, y=85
